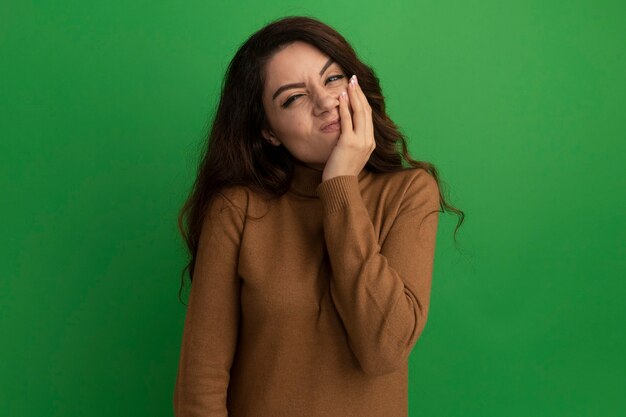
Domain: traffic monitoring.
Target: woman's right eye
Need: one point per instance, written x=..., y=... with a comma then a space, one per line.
x=290, y=99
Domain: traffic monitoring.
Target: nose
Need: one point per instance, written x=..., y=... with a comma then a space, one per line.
x=326, y=101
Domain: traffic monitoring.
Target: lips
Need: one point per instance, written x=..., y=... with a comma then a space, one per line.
x=325, y=125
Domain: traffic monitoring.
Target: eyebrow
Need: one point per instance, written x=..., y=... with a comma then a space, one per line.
x=297, y=85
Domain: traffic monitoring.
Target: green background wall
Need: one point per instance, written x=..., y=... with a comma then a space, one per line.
x=520, y=105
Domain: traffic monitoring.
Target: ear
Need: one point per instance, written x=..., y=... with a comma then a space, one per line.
x=270, y=137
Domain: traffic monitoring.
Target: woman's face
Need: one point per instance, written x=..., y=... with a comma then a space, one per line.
x=296, y=114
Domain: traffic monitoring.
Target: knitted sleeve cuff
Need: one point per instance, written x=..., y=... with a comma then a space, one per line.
x=339, y=192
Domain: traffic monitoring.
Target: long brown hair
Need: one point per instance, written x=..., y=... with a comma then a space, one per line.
x=237, y=154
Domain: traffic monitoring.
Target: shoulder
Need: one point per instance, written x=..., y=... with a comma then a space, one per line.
x=235, y=194
x=248, y=204
x=414, y=187
x=424, y=182
x=233, y=197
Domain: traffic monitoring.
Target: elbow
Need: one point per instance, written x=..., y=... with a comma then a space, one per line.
x=384, y=362
x=390, y=356
x=382, y=368
x=391, y=353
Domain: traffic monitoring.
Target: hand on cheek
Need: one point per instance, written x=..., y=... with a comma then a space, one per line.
x=356, y=142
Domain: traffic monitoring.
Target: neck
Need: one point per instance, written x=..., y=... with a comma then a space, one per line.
x=306, y=178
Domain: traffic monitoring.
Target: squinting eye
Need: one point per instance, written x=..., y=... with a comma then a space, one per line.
x=292, y=98
x=338, y=77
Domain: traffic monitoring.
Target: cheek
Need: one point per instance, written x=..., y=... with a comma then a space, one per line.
x=292, y=125
x=297, y=122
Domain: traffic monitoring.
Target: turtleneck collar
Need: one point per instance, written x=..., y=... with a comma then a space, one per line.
x=306, y=179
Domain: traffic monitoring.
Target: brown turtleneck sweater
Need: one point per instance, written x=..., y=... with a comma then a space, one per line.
x=313, y=308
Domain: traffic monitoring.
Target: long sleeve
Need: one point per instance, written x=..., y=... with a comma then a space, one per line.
x=381, y=293
x=212, y=318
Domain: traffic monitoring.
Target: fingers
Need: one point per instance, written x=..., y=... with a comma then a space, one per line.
x=358, y=110
x=344, y=113
x=367, y=112
x=359, y=120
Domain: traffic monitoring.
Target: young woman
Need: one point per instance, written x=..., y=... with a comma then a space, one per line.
x=311, y=246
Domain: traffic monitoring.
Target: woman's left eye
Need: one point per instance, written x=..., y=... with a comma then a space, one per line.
x=338, y=77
